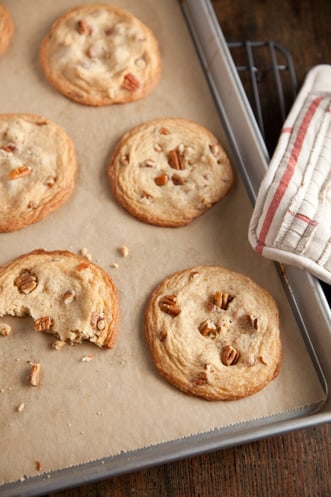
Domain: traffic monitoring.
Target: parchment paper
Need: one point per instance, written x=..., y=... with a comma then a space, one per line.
x=117, y=402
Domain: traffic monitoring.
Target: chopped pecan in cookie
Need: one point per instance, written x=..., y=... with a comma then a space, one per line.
x=98, y=321
x=84, y=28
x=43, y=323
x=252, y=321
x=208, y=328
x=130, y=82
x=10, y=148
x=168, y=305
x=164, y=131
x=26, y=282
x=201, y=379
x=229, y=355
x=177, y=180
x=220, y=300
x=19, y=172
x=175, y=159
x=161, y=180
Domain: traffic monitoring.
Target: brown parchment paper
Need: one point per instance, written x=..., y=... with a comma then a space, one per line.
x=84, y=411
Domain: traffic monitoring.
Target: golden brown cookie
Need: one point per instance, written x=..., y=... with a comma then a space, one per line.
x=169, y=171
x=65, y=294
x=214, y=333
x=37, y=169
x=100, y=54
x=6, y=28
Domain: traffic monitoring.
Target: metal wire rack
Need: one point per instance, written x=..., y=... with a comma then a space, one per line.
x=263, y=65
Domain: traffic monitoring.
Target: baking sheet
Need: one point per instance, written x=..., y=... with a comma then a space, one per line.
x=117, y=402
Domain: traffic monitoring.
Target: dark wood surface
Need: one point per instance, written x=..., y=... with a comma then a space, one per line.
x=294, y=464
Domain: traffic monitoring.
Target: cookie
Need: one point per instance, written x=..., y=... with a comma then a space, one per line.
x=6, y=28
x=37, y=169
x=65, y=294
x=169, y=171
x=100, y=55
x=214, y=333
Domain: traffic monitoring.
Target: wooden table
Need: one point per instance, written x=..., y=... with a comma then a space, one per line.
x=294, y=464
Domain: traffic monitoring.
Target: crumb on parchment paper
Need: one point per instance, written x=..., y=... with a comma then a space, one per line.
x=124, y=250
x=35, y=372
x=85, y=253
x=5, y=329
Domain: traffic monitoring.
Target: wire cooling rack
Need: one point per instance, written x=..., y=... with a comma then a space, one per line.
x=266, y=68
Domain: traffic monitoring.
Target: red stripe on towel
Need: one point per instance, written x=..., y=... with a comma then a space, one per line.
x=288, y=173
x=304, y=218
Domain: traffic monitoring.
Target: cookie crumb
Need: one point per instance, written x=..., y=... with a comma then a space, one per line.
x=21, y=407
x=85, y=253
x=5, y=329
x=115, y=265
x=124, y=251
x=87, y=358
x=34, y=377
x=58, y=344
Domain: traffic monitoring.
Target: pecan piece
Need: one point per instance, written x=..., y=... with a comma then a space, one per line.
x=164, y=131
x=175, y=159
x=161, y=180
x=10, y=148
x=177, y=180
x=229, y=355
x=215, y=149
x=253, y=321
x=43, y=323
x=26, y=282
x=98, y=322
x=220, y=300
x=168, y=305
x=130, y=82
x=19, y=172
x=201, y=379
x=84, y=28
x=147, y=195
x=34, y=377
x=208, y=328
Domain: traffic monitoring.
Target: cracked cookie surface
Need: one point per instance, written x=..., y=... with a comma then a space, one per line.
x=100, y=55
x=169, y=171
x=214, y=333
x=37, y=169
x=66, y=295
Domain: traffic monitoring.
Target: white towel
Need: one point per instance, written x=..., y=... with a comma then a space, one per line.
x=291, y=221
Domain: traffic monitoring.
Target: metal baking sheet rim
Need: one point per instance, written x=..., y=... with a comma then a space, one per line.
x=313, y=314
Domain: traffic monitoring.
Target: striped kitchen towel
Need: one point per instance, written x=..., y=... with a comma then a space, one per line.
x=291, y=220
